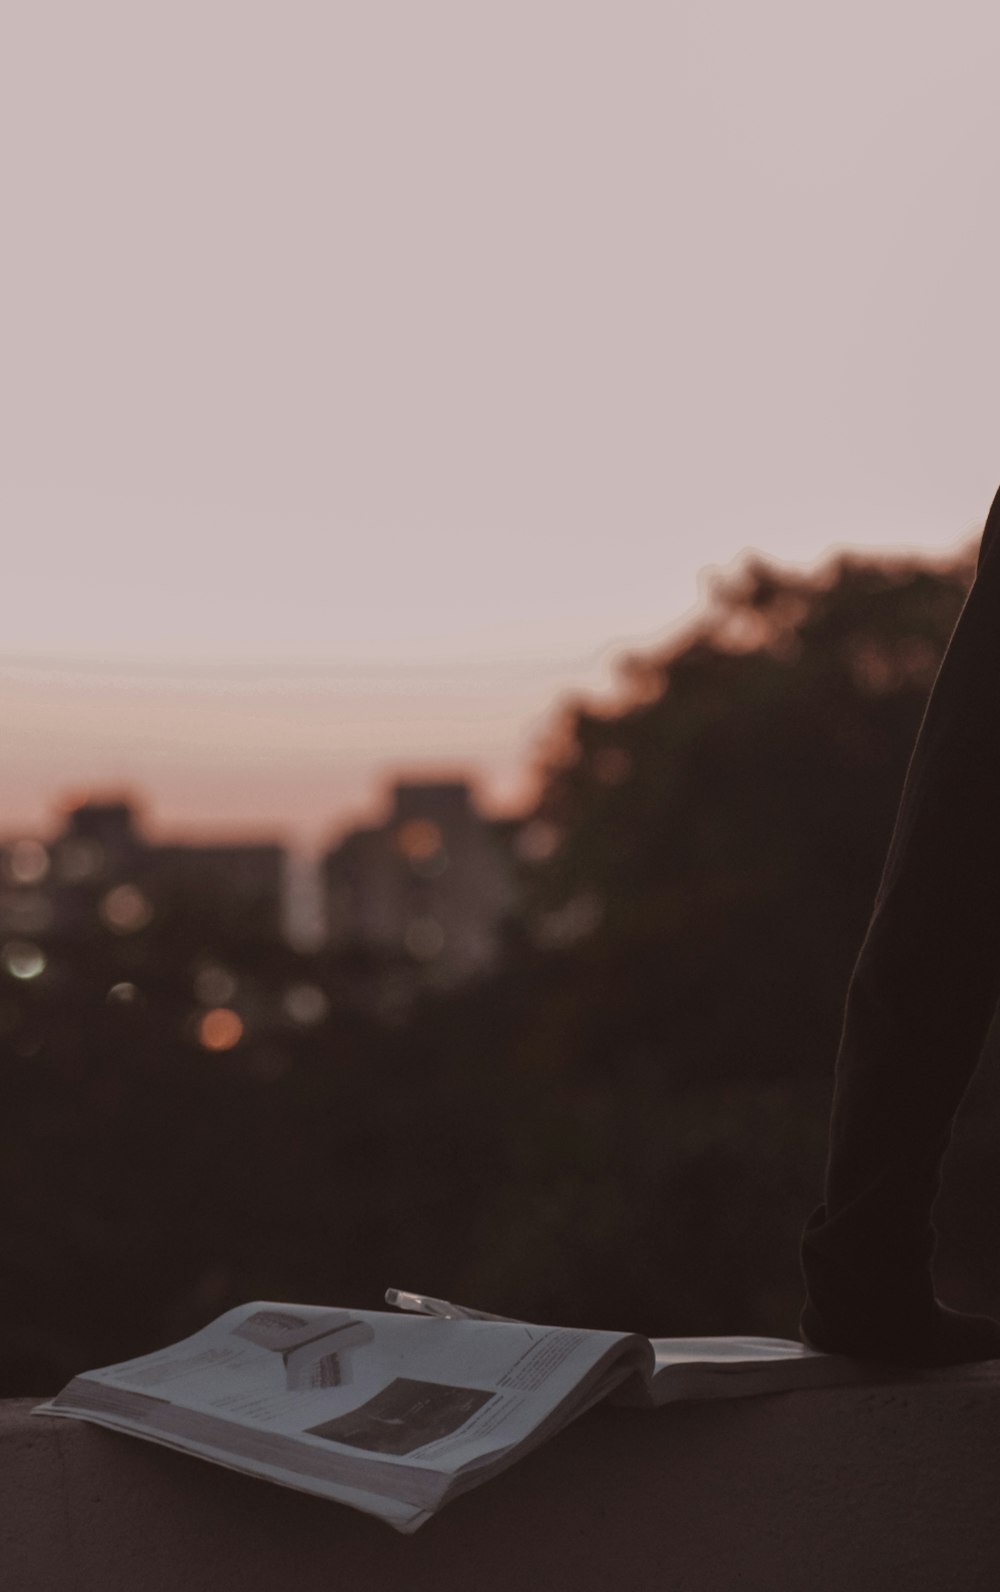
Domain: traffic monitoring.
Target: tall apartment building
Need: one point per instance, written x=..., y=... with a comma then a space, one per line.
x=101, y=869
x=433, y=883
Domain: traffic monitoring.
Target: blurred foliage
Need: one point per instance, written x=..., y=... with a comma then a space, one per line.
x=623, y=1127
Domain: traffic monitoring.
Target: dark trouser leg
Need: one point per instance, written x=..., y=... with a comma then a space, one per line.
x=920, y=1002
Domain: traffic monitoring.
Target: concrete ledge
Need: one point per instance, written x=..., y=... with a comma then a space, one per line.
x=881, y=1489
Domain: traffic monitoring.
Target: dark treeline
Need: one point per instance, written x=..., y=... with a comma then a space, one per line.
x=624, y=1126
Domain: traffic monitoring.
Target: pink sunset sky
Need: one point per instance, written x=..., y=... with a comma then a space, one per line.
x=374, y=374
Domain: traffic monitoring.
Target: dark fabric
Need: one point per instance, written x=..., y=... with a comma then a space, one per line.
x=923, y=990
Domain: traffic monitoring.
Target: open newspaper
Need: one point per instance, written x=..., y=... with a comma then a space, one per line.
x=395, y=1414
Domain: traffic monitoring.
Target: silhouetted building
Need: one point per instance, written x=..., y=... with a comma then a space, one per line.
x=433, y=884
x=100, y=870
x=239, y=888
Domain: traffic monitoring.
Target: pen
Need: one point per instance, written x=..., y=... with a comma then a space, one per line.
x=424, y=1305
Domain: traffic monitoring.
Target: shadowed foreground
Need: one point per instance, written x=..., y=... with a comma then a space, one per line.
x=872, y=1487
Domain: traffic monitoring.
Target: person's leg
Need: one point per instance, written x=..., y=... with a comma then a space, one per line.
x=918, y=1008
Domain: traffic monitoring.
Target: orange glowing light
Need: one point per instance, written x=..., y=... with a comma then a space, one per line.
x=418, y=839
x=220, y=1029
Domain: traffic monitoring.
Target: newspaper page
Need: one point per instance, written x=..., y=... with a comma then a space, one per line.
x=698, y=1368
x=389, y=1413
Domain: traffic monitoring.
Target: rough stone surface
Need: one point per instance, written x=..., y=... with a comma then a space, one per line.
x=882, y=1489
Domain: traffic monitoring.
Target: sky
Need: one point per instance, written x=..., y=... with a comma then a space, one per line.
x=374, y=375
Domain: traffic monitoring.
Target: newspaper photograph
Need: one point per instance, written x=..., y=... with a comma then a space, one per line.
x=390, y=1413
